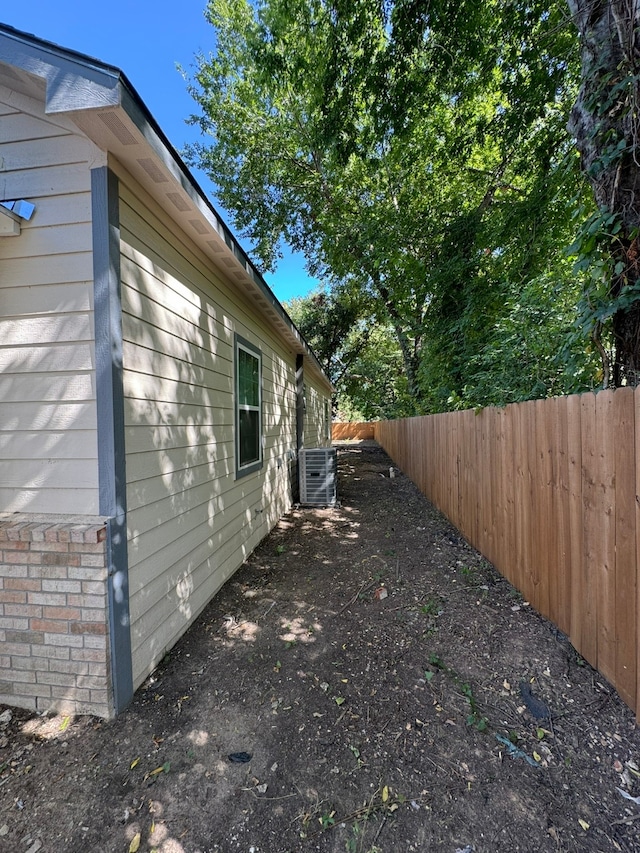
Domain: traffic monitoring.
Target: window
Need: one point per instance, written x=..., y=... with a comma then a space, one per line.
x=248, y=407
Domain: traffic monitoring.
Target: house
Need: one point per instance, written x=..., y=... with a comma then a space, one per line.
x=154, y=395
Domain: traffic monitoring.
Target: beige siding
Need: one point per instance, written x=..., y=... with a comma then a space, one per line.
x=191, y=522
x=48, y=447
x=317, y=415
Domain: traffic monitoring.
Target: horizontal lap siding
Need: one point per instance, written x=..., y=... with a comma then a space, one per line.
x=48, y=444
x=190, y=522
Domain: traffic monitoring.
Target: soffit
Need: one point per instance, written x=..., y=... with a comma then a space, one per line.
x=104, y=105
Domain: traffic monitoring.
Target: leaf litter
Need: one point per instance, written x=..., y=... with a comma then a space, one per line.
x=377, y=723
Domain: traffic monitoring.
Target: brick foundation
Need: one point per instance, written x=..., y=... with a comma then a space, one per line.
x=54, y=650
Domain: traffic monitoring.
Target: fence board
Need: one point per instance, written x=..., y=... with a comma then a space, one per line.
x=576, y=527
x=499, y=502
x=546, y=490
x=588, y=588
x=453, y=431
x=486, y=484
x=507, y=477
x=560, y=580
x=517, y=573
x=623, y=424
x=543, y=519
x=352, y=431
x=604, y=539
x=531, y=503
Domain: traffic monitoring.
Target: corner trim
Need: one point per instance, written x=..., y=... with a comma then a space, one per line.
x=110, y=410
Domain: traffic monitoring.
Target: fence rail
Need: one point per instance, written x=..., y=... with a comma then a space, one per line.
x=548, y=491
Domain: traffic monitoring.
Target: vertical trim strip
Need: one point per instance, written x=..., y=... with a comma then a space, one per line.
x=110, y=408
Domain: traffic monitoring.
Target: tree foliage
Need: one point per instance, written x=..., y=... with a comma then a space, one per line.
x=416, y=152
x=606, y=124
x=359, y=354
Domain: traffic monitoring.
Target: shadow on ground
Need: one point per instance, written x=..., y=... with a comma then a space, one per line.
x=380, y=687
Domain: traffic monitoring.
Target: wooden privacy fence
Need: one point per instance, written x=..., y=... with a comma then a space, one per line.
x=548, y=492
x=352, y=431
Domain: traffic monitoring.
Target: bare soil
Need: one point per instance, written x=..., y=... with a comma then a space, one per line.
x=446, y=716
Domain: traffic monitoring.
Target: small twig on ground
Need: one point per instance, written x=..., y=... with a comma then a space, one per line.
x=269, y=609
x=260, y=797
x=625, y=820
x=386, y=724
x=364, y=586
x=379, y=830
x=366, y=811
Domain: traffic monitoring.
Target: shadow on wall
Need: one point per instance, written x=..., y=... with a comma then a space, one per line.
x=191, y=522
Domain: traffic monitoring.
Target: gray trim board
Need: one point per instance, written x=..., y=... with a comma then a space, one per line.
x=110, y=410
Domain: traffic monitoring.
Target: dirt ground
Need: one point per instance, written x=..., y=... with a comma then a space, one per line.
x=305, y=711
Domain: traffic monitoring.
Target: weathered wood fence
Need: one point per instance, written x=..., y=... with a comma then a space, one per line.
x=548, y=491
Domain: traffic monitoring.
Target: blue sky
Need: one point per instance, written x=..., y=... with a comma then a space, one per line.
x=146, y=39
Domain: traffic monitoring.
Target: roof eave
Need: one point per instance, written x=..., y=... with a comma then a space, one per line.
x=80, y=85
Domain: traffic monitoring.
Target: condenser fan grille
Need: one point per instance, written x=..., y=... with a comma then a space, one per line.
x=319, y=476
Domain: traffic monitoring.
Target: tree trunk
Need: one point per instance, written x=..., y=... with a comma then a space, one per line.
x=606, y=124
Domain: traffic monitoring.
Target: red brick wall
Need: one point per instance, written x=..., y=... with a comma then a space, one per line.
x=54, y=651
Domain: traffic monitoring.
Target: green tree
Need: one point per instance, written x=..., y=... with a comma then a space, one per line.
x=282, y=163
x=360, y=355
x=606, y=123
x=336, y=325
x=413, y=150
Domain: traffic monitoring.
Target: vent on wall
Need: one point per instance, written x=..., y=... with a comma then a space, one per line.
x=319, y=476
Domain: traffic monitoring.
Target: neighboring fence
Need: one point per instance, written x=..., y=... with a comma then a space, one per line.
x=352, y=431
x=548, y=491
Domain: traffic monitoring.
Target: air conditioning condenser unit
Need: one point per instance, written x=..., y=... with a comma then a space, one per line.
x=319, y=476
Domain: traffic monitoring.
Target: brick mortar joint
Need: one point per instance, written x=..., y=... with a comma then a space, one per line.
x=43, y=528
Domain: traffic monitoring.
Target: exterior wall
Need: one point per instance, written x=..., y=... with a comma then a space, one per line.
x=317, y=415
x=48, y=445
x=191, y=523
x=53, y=576
x=53, y=615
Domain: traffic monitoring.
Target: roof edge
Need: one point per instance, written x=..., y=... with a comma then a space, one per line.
x=107, y=86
